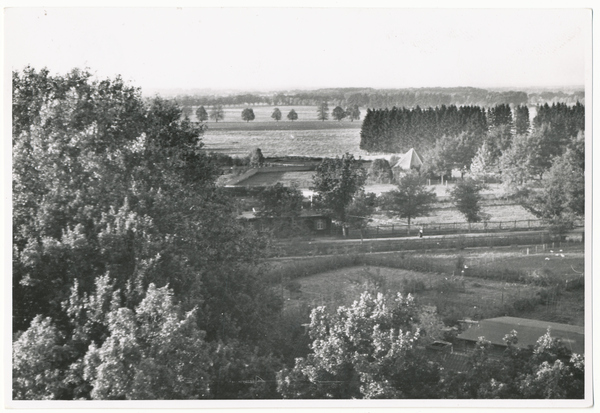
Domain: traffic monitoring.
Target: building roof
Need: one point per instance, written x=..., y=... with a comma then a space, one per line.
x=410, y=159
x=528, y=332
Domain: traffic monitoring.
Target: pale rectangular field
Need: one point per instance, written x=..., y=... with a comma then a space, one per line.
x=314, y=143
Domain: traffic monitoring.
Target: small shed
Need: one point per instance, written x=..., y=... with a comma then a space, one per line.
x=528, y=332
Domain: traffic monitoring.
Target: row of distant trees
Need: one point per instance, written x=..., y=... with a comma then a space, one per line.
x=217, y=113
x=382, y=98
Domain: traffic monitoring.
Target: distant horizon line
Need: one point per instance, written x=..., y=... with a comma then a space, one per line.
x=309, y=88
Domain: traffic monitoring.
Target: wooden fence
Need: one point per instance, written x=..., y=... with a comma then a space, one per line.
x=395, y=230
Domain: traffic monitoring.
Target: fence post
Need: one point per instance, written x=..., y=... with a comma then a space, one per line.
x=515, y=223
x=392, y=229
x=377, y=231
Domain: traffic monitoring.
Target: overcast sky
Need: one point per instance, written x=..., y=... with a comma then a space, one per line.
x=267, y=49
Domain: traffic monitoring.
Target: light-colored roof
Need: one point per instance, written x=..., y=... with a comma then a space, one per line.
x=528, y=332
x=410, y=159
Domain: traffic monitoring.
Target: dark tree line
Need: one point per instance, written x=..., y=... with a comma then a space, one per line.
x=397, y=130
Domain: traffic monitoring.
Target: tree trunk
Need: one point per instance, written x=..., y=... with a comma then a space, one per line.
x=408, y=225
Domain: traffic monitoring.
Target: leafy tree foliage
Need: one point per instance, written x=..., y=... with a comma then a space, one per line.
x=336, y=181
x=257, y=158
x=360, y=210
x=367, y=351
x=411, y=199
x=483, y=163
x=276, y=114
x=466, y=195
x=353, y=112
x=201, y=114
x=561, y=196
x=451, y=152
x=292, y=115
x=338, y=113
x=280, y=201
x=546, y=371
x=113, y=194
x=323, y=111
x=217, y=113
x=248, y=114
x=380, y=171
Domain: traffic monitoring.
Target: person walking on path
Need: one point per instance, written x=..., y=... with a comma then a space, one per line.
x=421, y=232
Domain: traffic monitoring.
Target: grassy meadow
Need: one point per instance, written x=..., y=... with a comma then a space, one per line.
x=317, y=143
x=483, y=291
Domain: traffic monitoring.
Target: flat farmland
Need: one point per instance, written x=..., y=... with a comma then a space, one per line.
x=316, y=143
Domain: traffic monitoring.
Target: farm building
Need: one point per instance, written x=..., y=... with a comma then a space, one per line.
x=528, y=332
x=410, y=160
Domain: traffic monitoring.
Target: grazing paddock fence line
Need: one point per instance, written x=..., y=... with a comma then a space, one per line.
x=542, y=241
x=402, y=230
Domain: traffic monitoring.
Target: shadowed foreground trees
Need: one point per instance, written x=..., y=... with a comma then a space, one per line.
x=114, y=202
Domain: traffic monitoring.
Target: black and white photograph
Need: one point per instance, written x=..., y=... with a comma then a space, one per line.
x=298, y=206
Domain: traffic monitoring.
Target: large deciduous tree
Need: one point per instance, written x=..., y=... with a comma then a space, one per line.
x=366, y=351
x=336, y=182
x=338, y=113
x=323, y=111
x=201, y=114
x=411, y=199
x=560, y=199
x=353, y=113
x=106, y=184
x=466, y=195
x=257, y=159
x=292, y=115
x=248, y=114
x=217, y=113
x=276, y=114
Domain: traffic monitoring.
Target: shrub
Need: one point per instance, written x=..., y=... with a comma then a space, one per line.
x=525, y=304
x=293, y=286
x=412, y=286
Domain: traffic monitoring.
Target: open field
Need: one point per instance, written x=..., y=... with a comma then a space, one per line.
x=262, y=113
x=456, y=296
x=447, y=215
x=317, y=143
x=282, y=126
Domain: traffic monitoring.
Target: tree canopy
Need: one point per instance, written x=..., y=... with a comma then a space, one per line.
x=201, y=114
x=292, y=115
x=336, y=181
x=248, y=114
x=114, y=200
x=217, y=113
x=466, y=195
x=338, y=113
x=276, y=114
x=323, y=111
x=411, y=199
